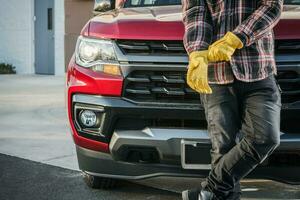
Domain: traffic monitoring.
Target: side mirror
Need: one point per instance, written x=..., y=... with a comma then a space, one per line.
x=102, y=6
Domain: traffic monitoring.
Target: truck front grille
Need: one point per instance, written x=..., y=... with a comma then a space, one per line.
x=145, y=86
x=289, y=82
x=159, y=87
x=140, y=47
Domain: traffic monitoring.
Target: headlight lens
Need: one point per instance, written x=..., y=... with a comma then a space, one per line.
x=97, y=55
x=88, y=52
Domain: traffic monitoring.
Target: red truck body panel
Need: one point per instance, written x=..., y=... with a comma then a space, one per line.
x=283, y=29
x=164, y=23
x=85, y=81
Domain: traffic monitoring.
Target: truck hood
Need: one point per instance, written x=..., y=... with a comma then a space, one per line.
x=288, y=26
x=165, y=23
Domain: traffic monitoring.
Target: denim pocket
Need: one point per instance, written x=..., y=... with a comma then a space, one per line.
x=278, y=92
x=273, y=89
x=278, y=86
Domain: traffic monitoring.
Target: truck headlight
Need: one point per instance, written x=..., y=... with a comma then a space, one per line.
x=98, y=55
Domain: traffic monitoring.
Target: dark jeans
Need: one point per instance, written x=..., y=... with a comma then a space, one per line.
x=250, y=110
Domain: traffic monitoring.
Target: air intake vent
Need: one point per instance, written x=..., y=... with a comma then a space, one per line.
x=151, y=47
x=289, y=82
x=287, y=46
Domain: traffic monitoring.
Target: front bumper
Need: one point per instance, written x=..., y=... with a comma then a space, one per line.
x=166, y=142
x=103, y=165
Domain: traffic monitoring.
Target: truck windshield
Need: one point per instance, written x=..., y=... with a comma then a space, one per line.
x=145, y=3
x=292, y=2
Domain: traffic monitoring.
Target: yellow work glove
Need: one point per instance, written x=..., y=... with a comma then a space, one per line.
x=197, y=77
x=224, y=48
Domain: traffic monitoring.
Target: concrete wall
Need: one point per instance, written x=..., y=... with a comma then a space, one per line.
x=77, y=13
x=16, y=34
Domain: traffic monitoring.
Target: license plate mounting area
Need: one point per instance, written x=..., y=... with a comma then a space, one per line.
x=195, y=154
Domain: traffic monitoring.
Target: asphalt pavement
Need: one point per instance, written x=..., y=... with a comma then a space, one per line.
x=38, y=160
x=22, y=179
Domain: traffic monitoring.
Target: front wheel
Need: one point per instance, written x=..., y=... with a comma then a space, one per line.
x=96, y=182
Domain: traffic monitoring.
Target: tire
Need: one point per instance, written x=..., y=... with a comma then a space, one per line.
x=96, y=182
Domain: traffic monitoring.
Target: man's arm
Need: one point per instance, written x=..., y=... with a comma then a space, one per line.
x=260, y=22
x=197, y=22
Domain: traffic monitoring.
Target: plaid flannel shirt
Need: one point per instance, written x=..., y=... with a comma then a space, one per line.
x=252, y=21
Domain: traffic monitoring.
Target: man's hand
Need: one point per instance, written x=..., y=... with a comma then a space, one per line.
x=224, y=48
x=197, y=77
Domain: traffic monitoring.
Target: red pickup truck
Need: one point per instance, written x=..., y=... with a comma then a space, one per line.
x=133, y=116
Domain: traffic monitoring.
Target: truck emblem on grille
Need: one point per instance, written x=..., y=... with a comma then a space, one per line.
x=166, y=47
x=165, y=78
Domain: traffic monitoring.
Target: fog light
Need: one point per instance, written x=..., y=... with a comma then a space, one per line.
x=88, y=118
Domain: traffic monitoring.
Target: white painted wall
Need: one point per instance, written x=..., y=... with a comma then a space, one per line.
x=16, y=34
x=59, y=35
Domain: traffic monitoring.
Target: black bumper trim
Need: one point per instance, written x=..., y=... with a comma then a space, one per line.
x=116, y=109
x=102, y=165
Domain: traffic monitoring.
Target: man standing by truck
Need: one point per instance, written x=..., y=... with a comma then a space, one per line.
x=231, y=52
